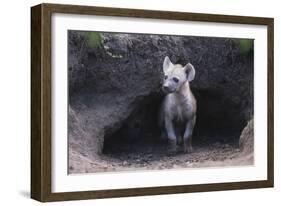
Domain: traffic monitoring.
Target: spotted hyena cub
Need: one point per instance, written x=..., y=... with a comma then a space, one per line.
x=178, y=109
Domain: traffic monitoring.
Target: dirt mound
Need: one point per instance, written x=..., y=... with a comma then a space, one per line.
x=246, y=142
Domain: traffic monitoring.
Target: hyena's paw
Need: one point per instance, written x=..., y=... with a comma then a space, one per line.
x=187, y=149
x=172, y=147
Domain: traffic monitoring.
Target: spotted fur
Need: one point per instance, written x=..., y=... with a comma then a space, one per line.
x=178, y=110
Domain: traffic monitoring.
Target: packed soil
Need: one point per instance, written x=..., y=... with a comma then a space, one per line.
x=152, y=155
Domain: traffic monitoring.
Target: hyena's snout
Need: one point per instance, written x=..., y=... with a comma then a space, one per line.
x=167, y=88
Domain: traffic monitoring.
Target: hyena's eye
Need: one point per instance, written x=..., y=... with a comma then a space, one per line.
x=166, y=77
x=175, y=79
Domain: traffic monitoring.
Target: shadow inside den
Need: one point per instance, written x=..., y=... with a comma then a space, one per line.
x=218, y=122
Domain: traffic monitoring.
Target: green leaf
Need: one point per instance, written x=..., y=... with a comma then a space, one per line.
x=94, y=39
x=245, y=45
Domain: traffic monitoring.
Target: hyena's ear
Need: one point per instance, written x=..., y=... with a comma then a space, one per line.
x=190, y=72
x=166, y=64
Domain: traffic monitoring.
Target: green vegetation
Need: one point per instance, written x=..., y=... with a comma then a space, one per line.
x=245, y=45
x=94, y=39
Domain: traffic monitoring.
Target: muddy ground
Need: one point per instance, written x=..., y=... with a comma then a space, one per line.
x=152, y=155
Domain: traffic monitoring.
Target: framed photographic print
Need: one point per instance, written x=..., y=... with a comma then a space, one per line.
x=132, y=102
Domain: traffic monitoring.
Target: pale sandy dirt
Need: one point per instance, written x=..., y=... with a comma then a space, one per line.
x=154, y=157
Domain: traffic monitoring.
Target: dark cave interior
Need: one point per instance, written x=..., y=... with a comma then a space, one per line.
x=218, y=121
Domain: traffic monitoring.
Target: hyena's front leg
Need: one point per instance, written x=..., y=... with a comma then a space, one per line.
x=179, y=136
x=172, y=138
x=187, y=137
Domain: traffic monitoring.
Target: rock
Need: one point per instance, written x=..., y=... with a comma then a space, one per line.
x=246, y=142
x=115, y=87
x=124, y=163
